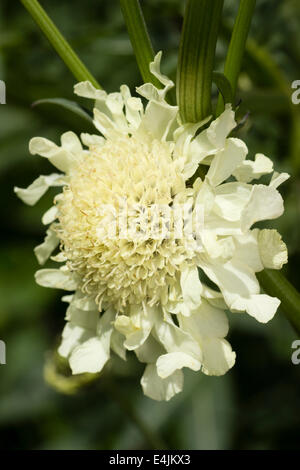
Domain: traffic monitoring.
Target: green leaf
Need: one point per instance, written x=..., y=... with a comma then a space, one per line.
x=196, y=58
x=56, y=39
x=69, y=105
x=237, y=46
x=224, y=86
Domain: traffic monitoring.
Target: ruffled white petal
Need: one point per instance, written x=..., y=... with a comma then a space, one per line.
x=167, y=364
x=137, y=326
x=265, y=203
x=191, y=287
x=150, y=351
x=55, y=279
x=226, y=161
x=149, y=91
x=91, y=355
x=262, y=307
x=278, y=179
x=38, y=188
x=50, y=215
x=158, y=119
x=44, y=250
x=273, y=250
x=250, y=170
x=161, y=389
x=63, y=157
x=174, y=339
x=218, y=356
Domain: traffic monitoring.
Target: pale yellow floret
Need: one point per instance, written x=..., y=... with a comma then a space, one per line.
x=133, y=268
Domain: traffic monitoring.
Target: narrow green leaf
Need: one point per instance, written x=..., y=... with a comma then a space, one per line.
x=196, y=58
x=139, y=38
x=56, y=39
x=276, y=284
x=237, y=46
x=69, y=105
x=224, y=87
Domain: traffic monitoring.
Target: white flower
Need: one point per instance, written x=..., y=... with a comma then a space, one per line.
x=139, y=290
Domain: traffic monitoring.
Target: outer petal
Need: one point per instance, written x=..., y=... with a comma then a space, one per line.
x=265, y=203
x=174, y=339
x=92, y=355
x=218, y=357
x=72, y=336
x=167, y=364
x=117, y=344
x=38, y=188
x=158, y=119
x=273, y=250
x=221, y=127
x=262, y=307
x=44, y=250
x=213, y=139
x=63, y=157
x=161, y=389
x=149, y=91
x=278, y=179
x=206, y=322
x=150, y=351
x=50, y=215
x=87, y=90
x=55, y=278
x=226, y=161
x=191, y=287
x=250, y=170
x=231, y=199
x=137, y=326
x=234, y=279
x=247, y=250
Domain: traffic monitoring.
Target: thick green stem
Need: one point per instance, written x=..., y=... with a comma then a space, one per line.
x=139, y=38
x=196, y=58
x=237, y=46
x=62, y=47
x=276, y=284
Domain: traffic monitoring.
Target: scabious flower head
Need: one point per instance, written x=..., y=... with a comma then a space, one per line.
x=137, y=241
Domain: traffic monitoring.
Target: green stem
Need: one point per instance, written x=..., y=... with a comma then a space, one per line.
x=139, y=38
x=62, y=47
x=237, y=46
x=276, y=284
x=196, y=58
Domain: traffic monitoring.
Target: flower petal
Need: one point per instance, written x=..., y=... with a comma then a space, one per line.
x=218, y=356
x=265, y=203
x=250, y=170
x=44, y=250
x=63, y=157
x=38, y=188
x=167, y=364
x=226, y=161
x=262, y=307
x=158, y=119
x=92, y=355
x=161, y=389
x=191, y=287
x=273, y=250
x=55, y=279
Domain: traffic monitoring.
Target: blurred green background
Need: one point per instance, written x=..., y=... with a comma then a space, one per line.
x=256, y=405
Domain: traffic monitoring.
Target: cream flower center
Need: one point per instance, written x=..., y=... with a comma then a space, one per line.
x=107, y=222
